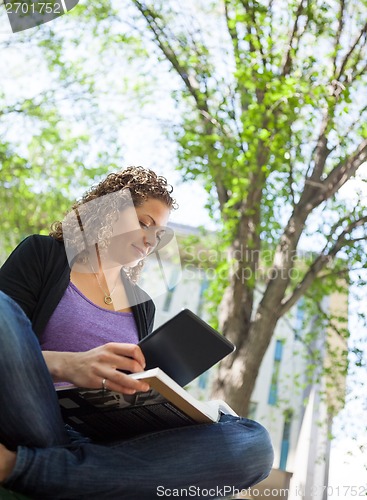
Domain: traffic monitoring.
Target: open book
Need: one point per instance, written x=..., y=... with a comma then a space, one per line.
x=176, y=353
x=106, y=415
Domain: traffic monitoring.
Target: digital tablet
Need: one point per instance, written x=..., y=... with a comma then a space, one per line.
x=184, y=347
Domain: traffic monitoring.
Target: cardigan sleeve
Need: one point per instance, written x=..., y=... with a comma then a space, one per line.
x=21, y=274
x=36, y=275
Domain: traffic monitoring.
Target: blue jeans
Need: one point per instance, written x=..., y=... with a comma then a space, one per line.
x=202, y=461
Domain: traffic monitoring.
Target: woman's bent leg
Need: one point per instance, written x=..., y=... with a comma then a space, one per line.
x=30, y=413
x=203, y=461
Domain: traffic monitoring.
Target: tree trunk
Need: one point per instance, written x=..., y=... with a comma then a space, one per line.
x=237, y=373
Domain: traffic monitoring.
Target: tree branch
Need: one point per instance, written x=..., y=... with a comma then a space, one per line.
x=251, y=12
x=237, y=50
x=343, y=273
x=232, y=32
x=270, y=11
x=317, y=191
x=361, y=72
x=329, y=319
x=321, y=151
x=287, y=62
x=290, y=184
x=354, y=123
x=161, y=38
x=342, y=172
x=339, y=32
x=348, y=55
x=319, y=263
x=162, y=41
x=300, y=339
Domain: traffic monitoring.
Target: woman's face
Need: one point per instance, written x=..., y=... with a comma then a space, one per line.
x=137, y=232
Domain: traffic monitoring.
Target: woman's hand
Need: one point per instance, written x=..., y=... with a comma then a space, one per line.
x=88, y=369
x=7, y=462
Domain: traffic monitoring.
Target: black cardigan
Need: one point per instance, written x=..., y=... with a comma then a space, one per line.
x=36, y=275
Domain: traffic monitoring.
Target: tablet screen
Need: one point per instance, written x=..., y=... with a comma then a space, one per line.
x=184, y=347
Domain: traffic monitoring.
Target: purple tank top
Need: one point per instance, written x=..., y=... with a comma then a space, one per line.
x=78, y=325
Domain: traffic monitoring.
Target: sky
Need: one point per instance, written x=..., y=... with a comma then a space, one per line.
x=191, y=196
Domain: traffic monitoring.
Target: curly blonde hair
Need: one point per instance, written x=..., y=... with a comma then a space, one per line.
x=141, y=183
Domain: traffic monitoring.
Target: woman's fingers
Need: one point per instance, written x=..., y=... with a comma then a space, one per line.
x=128, y=357
x=89, y=368
x=110, y=361
x=120, y=382
x=125, y=357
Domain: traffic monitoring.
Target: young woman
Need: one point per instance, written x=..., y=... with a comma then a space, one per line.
x=66, y=314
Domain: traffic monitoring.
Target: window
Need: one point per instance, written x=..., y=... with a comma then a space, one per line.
x=273, y=393
x=203, y=287
x=285, y=440
x=168, y=300
x=203, y=380
x=169, y=295
x=300, y=314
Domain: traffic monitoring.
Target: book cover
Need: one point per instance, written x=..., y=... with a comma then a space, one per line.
x=107, y=415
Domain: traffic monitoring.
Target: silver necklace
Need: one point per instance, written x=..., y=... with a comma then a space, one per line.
x=107, y=299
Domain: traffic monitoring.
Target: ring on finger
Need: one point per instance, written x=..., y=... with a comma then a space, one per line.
x=104, y=385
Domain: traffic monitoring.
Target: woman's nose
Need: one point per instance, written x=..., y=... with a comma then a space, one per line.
x=150, y=238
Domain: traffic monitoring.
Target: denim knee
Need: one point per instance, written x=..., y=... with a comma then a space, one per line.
x=10, y=311
x=15, y=329
x=260, y=451
x=19, y=345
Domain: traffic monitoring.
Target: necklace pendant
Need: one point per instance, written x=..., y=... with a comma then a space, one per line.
x=107, y=300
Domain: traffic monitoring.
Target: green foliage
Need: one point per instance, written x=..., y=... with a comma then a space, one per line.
x=258, y=124
x=273, y=123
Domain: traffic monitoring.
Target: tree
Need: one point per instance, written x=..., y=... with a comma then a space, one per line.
x=274, y=123
x=271, y=118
